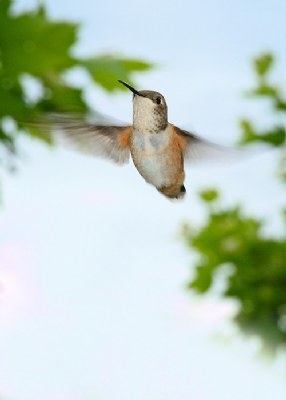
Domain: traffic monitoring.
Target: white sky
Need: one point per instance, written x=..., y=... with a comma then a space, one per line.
x=92, y=299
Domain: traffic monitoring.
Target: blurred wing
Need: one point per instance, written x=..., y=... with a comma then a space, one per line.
x=196, y=149
x=109, y=141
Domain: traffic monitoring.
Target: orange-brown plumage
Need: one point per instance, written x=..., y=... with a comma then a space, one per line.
x=124, y=137
x=175, y=165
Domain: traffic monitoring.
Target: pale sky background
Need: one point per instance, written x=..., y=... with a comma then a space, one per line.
x=92, y=298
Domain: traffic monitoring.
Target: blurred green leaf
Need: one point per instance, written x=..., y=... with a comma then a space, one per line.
x=258, y=280
x=275, y=136
x=31, y=43
x=209, y=195
x=7, y=141
x=264, y=90
x=280, y=104
x=11, y=99
x=63, y=98
x=263, y=64
x=106, y=70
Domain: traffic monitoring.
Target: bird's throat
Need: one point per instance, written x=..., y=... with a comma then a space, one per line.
x=148, y=121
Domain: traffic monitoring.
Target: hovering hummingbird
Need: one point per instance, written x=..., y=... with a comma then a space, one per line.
x=157, y=147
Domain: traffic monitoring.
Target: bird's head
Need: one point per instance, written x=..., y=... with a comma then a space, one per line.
x=150, y=110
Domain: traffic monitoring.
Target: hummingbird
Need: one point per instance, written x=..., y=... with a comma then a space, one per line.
x=158, y=148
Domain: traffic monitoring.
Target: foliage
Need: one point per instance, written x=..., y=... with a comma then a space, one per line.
x=36, y=49
x=229, y=237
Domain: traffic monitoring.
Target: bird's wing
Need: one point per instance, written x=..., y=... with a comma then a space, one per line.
x=109, y=141
x=196, y=149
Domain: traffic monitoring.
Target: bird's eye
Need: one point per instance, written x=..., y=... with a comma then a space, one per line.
x=158, y=100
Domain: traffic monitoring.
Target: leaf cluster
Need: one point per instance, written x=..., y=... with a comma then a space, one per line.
x=40, y=51
x=230, y=237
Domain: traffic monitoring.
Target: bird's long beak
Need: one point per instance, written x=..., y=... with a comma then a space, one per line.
x=131, y=88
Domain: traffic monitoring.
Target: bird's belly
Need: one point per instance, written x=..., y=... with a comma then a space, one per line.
x=153, y=169
x=154, y=159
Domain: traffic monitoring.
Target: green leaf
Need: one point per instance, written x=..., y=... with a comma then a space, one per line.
x=203, y=279
x=35, y=45
x=276, y=136
x=265, y=90
x=62, y=98
x=280, y=104
x=209, y=195
x=6, y=140
x=263, y=64
x=106, y=70
x=5, y=6
x=248, y=133
x=258, y=279
x=11, y=98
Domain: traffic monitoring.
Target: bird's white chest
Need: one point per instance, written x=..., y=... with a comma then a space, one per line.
x=149, y=154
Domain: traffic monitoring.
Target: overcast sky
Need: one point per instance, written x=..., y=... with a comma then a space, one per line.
x=93, y=302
